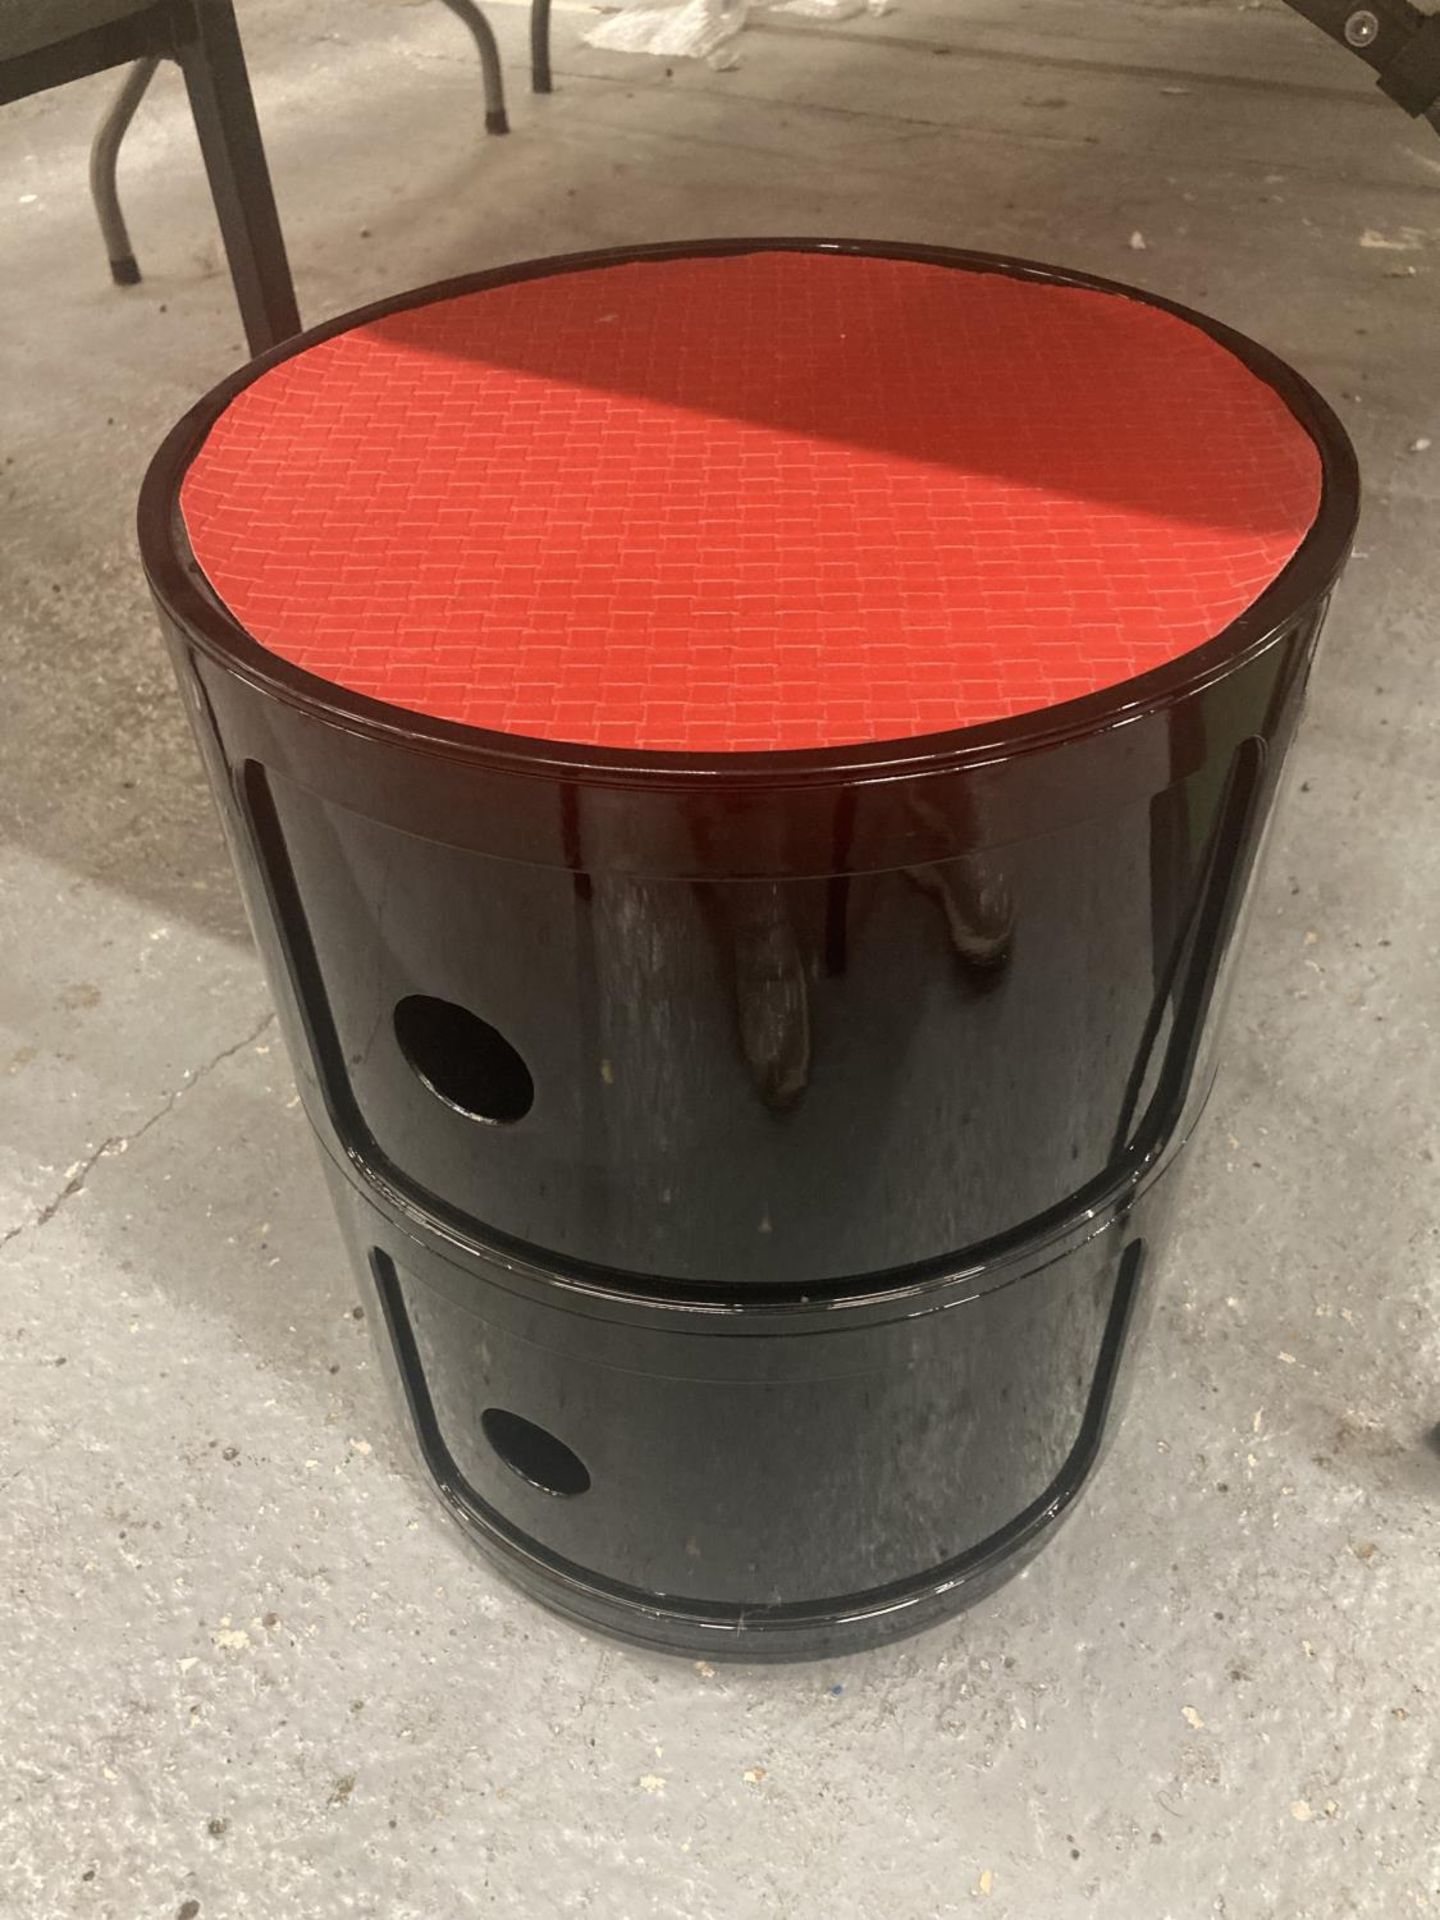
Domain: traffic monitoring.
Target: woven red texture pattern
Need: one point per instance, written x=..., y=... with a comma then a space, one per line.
x=774, y=500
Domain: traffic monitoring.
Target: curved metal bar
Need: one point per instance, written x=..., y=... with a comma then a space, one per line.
x=483, y=34
x=104, y=156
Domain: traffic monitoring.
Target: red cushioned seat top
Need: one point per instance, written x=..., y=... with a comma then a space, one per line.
x=756, y=501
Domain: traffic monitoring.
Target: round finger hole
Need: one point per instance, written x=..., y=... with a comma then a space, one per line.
x=537, y=1456
x=464, y=1060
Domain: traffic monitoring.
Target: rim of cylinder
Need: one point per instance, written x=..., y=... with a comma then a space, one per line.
x=183, y=592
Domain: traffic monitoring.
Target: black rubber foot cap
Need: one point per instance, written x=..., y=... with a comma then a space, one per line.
x=542, y=83
x=125, y=272
x=497, y=122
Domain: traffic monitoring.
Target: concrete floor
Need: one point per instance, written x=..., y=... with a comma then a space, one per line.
x=247, y=1671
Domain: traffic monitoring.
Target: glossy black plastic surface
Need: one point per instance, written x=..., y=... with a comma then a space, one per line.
x=776, y=1046
x=761, y=1482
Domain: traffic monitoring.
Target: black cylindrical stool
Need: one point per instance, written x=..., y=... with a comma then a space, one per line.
x=746, y=763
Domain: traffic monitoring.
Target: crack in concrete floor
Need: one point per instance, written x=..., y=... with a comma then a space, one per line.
x=116, y=1144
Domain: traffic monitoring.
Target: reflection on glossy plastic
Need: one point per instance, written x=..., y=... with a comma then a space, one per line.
x=757, y=1164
